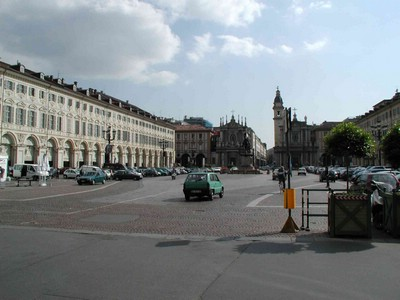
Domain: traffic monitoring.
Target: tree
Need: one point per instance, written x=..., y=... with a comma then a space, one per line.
x=391, y=146
x=347, y=139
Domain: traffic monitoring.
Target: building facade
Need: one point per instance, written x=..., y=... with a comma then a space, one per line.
x=378, y=121
x=230, y=139
x=193, y=145
x=300, y=137
x=74, y=126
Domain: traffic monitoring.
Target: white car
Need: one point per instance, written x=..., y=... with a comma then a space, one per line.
x=70, y=173
x=302, y=171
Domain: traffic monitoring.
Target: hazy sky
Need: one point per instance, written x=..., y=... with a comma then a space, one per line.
x=209, y=58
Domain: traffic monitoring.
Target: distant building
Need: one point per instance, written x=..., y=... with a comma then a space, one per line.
x=302, y=141
x=198, y=121
x=193, y=145
x=229, y=145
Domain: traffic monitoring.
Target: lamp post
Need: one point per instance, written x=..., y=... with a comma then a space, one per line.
x=109, y=136
x=378, y=134
x=163, y=144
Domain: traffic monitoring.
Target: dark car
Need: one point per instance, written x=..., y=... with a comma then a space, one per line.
x=331, y=176
x=364, y=181
x=125, y=174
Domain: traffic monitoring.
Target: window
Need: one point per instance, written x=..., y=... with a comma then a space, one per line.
x=20, y=116
x=52, y=97
x=85, y=107
x=59, y=123
x=61, y=99
x=21, y=89
x=83, y=128
x=31, y=118
x=43, y=122
x=9, y=85
x=77, y=104
x=31, y=92
x=76, y=127
x=41, y=94
x=69, y=102
x=90, y=129
x=52, y=122
x=69, y=125
x=8, y=114
x=91, y=108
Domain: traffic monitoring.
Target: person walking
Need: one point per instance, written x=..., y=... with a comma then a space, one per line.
x=282, y=177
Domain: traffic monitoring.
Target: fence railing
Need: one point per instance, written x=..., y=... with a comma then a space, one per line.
x=307, y=204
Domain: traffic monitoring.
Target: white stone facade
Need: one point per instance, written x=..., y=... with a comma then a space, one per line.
x=40, y=115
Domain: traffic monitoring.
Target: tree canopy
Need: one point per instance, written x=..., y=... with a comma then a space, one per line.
x=391, y=146
x=347, y=139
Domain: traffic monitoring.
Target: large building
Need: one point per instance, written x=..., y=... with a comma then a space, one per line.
x=74, y=126
x=307, y=141
x=302, y=140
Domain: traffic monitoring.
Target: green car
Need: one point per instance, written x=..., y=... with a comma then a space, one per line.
x=202, y=184
x=91, y=175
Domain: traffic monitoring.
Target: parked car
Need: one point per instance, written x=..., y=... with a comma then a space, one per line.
x=301, y=171
x=91, y=175
x=71, y=173
x=202, y=184
x=150, y=172
x=109, y=174
x=364, y=181
x=125, y=174
x=331, y=175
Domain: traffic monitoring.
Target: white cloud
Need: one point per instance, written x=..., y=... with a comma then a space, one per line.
x=203, y=46
x=286, y=49
x=321, y=5
x=107, y=39
x=296, y=8
x=227, y=12
x=242, y=46
x=316, y=46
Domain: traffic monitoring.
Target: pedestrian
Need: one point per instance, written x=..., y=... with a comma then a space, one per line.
x=2, y=177
x=282, y=176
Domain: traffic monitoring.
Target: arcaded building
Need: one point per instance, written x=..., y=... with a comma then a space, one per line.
x=73, y=126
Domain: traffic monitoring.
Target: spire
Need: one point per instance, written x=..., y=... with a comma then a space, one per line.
x=278, y=98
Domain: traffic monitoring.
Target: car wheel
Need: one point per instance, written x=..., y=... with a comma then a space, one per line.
x=187, y=197
x=65, y=176
x=103, y=182
x=80, y=183
x=222, y=193
x=210, y=195
x=93, y=182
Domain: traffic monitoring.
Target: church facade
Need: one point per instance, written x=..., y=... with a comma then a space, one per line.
x=299, y=136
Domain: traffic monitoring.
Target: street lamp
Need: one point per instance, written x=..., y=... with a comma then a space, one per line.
x=163, y=144
x=109, y=136
x=378, y=134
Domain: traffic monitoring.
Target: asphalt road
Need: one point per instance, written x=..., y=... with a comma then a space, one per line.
x=141, y=240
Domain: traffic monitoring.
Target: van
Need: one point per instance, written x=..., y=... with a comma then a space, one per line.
x=30, y=171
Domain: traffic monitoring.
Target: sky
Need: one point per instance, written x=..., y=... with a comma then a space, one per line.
x=215, y=58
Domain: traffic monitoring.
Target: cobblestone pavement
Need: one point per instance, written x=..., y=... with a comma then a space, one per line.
x=156, y=206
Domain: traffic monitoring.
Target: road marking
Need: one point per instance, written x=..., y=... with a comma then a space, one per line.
x=60, y=195
x=255, y=202
x=112, y=204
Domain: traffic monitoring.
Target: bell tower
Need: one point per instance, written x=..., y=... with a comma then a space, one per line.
x=278, y=119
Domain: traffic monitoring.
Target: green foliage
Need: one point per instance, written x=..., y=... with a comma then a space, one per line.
x=391, y=146
x=347, y=139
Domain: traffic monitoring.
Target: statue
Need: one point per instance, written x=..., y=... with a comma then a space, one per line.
x=246, y=142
